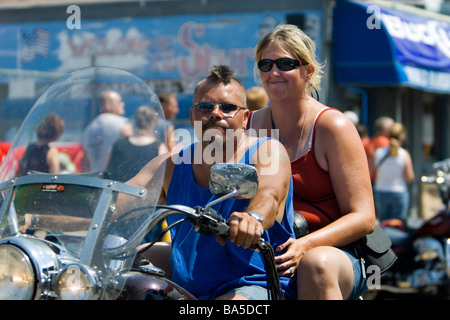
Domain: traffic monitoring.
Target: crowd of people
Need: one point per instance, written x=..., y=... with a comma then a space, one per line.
x=329, y=172
x=390, y=165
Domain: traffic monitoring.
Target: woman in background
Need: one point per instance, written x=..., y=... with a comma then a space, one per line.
x=394, y=170
x=130, y=154
x=40, y=156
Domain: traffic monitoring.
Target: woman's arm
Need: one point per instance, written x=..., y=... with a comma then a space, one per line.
x=53, y=160
x=339, y=151
x=408, y=172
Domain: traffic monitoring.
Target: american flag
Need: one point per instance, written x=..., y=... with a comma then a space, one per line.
x=34, y=43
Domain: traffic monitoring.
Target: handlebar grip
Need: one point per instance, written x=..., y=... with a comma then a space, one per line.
x=210, y=222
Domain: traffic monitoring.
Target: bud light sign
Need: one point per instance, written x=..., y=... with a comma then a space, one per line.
x=418, y=41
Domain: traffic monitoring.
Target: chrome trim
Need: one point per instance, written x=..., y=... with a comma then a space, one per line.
x=43, y=256
x=91, y=275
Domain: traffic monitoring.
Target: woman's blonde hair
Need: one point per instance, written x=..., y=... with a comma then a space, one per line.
x=294, y=41
x=396, y=136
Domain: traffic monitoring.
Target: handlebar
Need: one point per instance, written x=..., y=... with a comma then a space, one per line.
x=209, y=222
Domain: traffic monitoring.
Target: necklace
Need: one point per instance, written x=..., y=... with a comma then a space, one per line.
x=283, y=138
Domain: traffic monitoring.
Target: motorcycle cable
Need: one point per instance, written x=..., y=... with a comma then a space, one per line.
x=129, y=212
x=273, y=280
x=150, y=244
x=160, y=235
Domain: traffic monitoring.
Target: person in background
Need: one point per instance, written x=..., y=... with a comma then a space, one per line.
x=332, y=188
x=394, y=170
x=40, y=156
x=169, y=103
x=379, y=140
x=352, y=115
x=256, y=98
x=364, y=135
x=130, y=154
x=362, y=131
x=105, y=129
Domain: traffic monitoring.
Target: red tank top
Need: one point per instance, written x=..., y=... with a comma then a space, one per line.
x=314, y=196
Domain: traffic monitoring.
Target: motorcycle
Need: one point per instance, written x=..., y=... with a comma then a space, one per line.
x=78, y=236
x=423, y=265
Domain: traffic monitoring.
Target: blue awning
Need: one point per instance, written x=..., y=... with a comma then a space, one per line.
x=379, y=46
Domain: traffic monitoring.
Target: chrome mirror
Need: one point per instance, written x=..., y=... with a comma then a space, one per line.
x=242, y=179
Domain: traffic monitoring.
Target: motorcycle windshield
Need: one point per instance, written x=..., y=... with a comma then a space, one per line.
x=94, y=215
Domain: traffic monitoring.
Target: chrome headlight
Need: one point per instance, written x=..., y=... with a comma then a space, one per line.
x=78, y=282
x=17, y=278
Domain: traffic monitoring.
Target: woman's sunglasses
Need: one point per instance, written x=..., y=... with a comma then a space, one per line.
x=225, y=108
x=283, y=64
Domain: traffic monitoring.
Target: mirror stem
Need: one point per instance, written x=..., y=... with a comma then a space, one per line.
x=222, y=198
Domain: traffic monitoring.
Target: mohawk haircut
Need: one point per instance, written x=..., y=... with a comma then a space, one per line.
x=221, y=74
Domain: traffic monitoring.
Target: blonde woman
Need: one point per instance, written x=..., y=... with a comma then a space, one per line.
x=332, y=187
x=394, y=169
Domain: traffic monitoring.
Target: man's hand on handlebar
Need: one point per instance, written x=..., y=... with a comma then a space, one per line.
x=245, y=231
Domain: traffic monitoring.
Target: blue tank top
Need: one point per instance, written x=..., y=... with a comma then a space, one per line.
x=199, y=263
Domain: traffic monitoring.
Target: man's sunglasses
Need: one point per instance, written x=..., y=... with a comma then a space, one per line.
x=225, y=108
x=283, y=64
